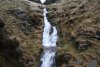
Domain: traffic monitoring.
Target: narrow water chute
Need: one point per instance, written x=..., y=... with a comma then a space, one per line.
x=48, y=42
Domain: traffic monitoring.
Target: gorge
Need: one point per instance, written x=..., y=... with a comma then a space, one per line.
x=51, y=33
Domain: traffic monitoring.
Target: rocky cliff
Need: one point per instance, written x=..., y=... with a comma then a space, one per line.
x=77, y=22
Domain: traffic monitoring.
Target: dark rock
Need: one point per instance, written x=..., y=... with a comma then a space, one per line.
x=8, y=44
x=98, y=35
x=51, y=1
x=64, y=58
x=18, y=13
x=9, y=47
x=37, y=1
x=23, y=17
x=35, y=21
x=25, y=27
x=2, y=24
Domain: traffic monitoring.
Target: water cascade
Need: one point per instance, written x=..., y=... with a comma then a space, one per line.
x=48, y=42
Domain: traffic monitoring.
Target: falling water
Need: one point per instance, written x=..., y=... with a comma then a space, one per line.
x=42, y=1
x=48, y=42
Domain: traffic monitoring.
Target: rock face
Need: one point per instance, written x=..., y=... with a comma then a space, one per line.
x=21, y=27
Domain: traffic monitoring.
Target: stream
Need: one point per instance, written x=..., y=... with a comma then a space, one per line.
x=48, y=42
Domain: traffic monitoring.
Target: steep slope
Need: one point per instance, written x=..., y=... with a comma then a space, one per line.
x=78, y=28
x=24, y=24
x=77, y=22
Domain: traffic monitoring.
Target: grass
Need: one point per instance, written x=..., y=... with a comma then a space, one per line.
x=6, y=5
x=32, y=43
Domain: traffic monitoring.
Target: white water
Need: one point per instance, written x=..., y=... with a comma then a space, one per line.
x=42, y=1
x=48, y=42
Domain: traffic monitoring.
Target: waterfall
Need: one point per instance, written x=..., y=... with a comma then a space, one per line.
x=42, y=1
x=48, y=42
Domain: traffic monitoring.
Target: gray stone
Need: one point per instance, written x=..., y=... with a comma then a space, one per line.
x=92, y=63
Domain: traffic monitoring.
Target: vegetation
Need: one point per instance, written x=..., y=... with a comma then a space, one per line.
x=78, y=26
